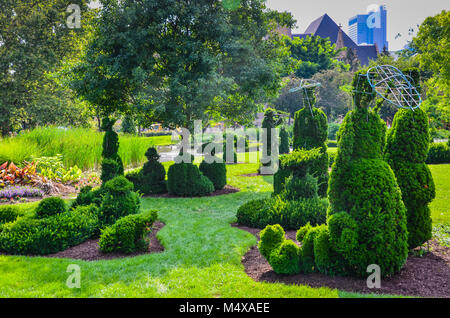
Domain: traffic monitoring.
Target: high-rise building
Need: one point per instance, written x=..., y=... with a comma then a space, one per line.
x=370, y=28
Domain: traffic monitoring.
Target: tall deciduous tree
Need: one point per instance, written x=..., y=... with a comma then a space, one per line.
x=34, y=39
x=176, y=61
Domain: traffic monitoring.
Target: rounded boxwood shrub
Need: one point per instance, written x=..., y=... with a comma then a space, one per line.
x=269, y=239
x=285, y=258
x=9, y=213
x=248, y=213
x=216, y=172
x=406, y=151
x=118, y=200
x=185, y=179
x=129, y=234
x=50, y=206
x=88, y=196
x=49, y=235
x=363, y=185
x=153, y=174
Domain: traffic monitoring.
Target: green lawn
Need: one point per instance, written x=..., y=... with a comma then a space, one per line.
x=202, y=256
x=440, y=206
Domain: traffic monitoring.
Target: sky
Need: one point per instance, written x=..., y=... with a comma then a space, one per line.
x=401, y=14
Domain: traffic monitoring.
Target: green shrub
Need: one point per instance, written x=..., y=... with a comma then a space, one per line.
x=185, y=179
x=406, y=151
x=284, y=141
x=279, y=179
x=438, y=153
x=110, y=169
x=364, y=186
x=128, y=125
x=332, y=158
x=118, y=200
x=307, y=261
x=248, y=213
x=49, y=235
x=295, y=188
x=87, y=196
x=50, y=206
x=9, y=213
x=285, y=258
x=326, y=259
x=291, y=214
x=151, y=179
x=302, y=231
x=216, y=172
x=270, y=238
x=129, y=234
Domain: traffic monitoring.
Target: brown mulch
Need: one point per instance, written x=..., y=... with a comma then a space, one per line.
x=425, y=276
x=226, y=190
x=89, y=251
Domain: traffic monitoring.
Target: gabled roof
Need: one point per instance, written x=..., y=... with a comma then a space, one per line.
x=325, y=27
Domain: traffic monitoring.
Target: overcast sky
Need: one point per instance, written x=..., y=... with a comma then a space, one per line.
x=401, y=14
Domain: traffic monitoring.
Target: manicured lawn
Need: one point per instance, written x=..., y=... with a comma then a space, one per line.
x=202, y=256
x=440, y=212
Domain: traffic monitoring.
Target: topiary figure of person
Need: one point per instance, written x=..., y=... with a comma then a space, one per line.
x=366, y=216
x=406, y=152
x=153, y=174
x=216, y=172
x=311, y=131
x=112, y=165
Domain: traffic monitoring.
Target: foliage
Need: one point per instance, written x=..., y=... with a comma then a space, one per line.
x=50, y=206
x=88, y=196
x=126, y=68
x=358, y=176
x=78, y=146
x=438, y=153
x=185, y=179
x=151, y=178
x=9, y=213
x=216, y=172
x=285, y=258
x=112, y=165
x=49, y=235
x=128, y=234
x=284, y=141
x=291, y=214
x=271, y=120
x=52, y=168
x=406, y=151
x=300, y=187
x=271, y=237
x=10, y=174
x=35, y=42
x=315, y=53
x=332, y=130
x=128, y=125
x=118, y=200
x=331, y=97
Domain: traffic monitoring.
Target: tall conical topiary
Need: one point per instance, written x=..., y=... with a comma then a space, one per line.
x=406, y=151
x=112, y=165
x=311, y=131
x=284, y=141
x=366, y=216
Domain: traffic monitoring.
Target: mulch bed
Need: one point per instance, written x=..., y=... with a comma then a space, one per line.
x=425, y=276
x=226, y=190
x=88, y=251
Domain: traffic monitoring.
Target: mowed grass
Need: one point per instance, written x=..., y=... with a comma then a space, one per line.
x=202, y=256
x=440, y=205
x=79, y=146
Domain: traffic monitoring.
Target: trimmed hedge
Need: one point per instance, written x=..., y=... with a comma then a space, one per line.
x=216, y=172
x=438, y=153
x=9, y=213
x=87, y=196
x=270, y=239
x=129, y=234
x=185, y=179
x=50, y=206
x=406, y=152
x=49, y=235
x=291, y=214
x=285, y=259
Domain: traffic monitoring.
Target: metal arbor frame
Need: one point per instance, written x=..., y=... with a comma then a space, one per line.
x=394, y=86
x=306, y=85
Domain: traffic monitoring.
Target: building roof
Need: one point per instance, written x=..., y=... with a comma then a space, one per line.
x=325, y=27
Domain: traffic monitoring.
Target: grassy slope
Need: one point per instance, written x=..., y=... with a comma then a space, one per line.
x=202, y=257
